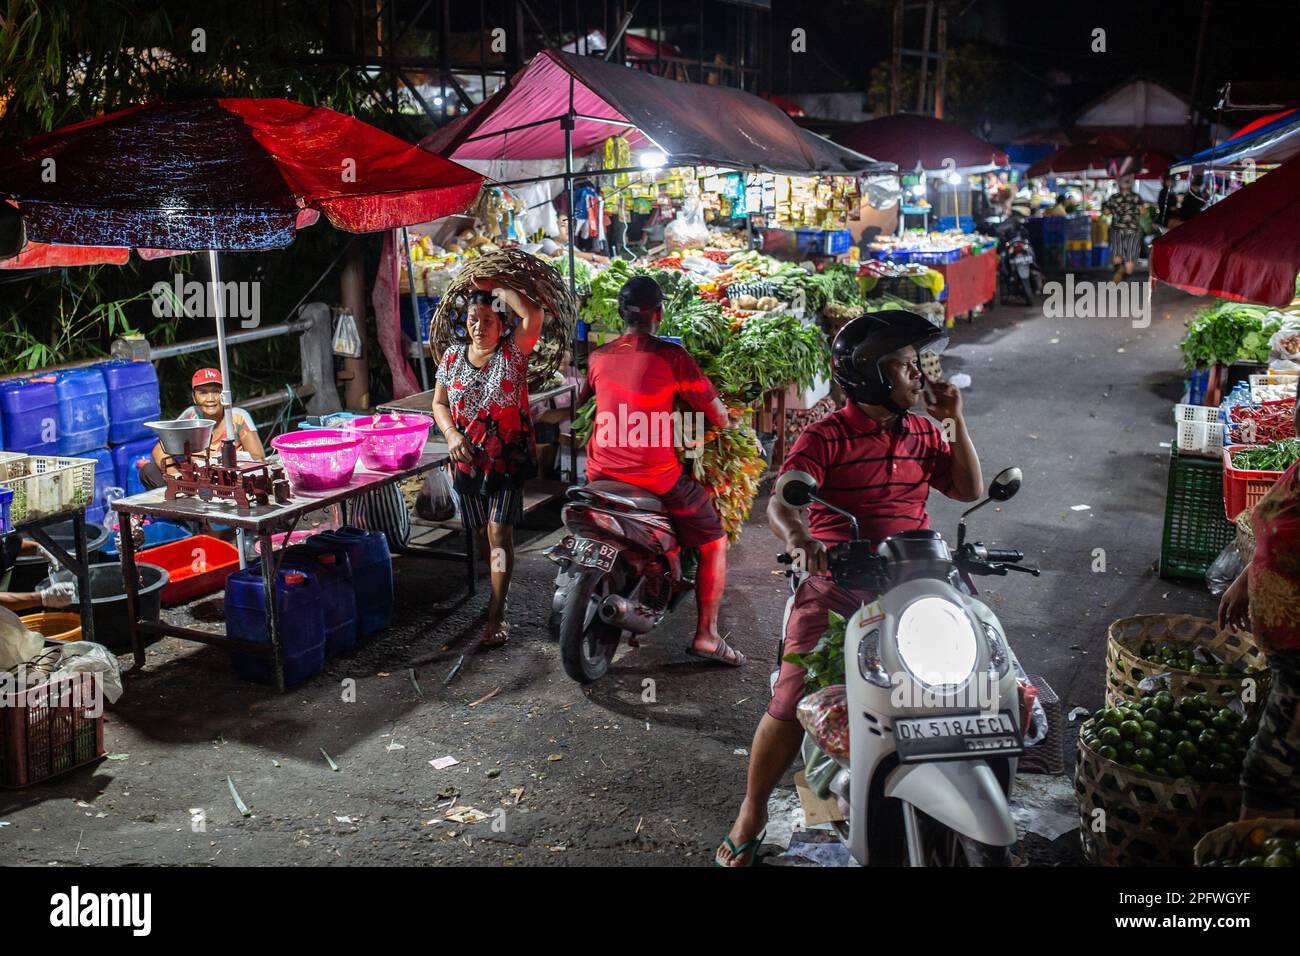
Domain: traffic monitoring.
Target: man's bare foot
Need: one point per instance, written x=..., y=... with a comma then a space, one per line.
x=749, y=824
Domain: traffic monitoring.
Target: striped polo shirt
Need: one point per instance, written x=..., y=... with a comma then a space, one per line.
x=880, y=476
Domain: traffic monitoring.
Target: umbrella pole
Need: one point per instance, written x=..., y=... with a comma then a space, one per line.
x=228, y=442
x=415, y=310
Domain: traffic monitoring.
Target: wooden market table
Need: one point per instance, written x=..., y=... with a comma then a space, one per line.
x=261, y=521
x=970, y=282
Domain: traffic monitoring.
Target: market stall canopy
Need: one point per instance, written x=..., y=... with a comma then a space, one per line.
x=1270, y=139
x=1095, y=159
x=916, y=143
x=684, y=121
x=225, y=174
x=1245, y=247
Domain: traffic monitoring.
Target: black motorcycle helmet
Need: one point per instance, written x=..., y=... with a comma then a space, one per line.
x=862, y=343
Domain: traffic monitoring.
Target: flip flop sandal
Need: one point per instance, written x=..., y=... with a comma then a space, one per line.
x=499, y=637
x=749, y=846
x=724, y=653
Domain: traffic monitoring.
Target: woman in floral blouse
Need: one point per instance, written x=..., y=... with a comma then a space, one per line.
x=481, y=406
x=1265, y=599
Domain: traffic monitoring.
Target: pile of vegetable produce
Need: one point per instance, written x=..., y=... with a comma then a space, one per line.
x=1262, y=847
x=769, y=352
x=1196, y=660
x=1229, y=332
x=1261, y=424
x=1275, y=456
x=730, y=466
x=1171, y=738
x=824, y=664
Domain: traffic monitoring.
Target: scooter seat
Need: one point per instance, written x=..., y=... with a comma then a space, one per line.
x=620, y=494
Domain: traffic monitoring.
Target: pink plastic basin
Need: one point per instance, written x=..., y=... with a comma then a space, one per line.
x=391, y=442
x=318, y=459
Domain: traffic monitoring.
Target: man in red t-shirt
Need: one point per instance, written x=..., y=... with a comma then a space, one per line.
x=877, y=461
x=637, y=379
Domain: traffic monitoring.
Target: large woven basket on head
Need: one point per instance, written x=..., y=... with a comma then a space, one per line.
x=534, y=278
x=1125, y=669
x=1233, y=841
x=1131, y=818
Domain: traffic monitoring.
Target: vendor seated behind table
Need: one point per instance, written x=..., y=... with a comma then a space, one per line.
x=207, y=404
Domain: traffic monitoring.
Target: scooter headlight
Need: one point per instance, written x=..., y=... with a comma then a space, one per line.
x=999, y=660
x=936, y=642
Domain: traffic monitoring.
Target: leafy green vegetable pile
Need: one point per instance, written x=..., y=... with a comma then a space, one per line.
x=769, y=352
x=1275, y=456
x=1229, y=332
x=825, y=662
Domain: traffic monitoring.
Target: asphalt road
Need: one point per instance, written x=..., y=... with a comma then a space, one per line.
x=647, y=766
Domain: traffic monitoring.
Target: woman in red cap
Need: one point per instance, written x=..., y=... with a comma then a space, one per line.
x=207, y=404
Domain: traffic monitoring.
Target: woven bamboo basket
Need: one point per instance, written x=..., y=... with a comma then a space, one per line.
x=536, y=279
x=1145, y=819
x=1125, y=669
x=1246, y=535
x=1232, y=841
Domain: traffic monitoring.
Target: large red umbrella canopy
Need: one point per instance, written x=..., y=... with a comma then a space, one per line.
x=1094, y=159
x=1245, y=247
x=225, y=174
x=920, y=142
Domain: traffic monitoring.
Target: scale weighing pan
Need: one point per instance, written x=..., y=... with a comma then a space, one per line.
x=182, y=437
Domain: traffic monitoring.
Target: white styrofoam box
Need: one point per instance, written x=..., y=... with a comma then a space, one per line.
x=797, y=399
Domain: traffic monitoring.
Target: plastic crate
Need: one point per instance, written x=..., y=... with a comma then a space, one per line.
x=1234, y=433
x=46, y=485
x=1200, y=438
x=1195, y=530
x=1100, y=257
x=45, y=730
x=1272, y=385
x=1078, y=259
x=1242, y=488
x=6, y=503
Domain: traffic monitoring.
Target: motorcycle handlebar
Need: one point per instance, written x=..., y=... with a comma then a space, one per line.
x=1005, y=554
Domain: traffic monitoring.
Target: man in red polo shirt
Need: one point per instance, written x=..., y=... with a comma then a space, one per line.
x=636, y=380
x=877, y=461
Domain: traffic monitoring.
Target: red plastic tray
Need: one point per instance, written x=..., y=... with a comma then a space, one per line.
x=195, y=566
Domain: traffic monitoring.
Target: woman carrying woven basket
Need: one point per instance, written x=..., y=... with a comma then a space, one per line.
x=1265, y=599
x=481, y=406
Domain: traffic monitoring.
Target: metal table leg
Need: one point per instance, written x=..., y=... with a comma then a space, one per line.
x=82, y=570
x=131, y=584
x=271, y=600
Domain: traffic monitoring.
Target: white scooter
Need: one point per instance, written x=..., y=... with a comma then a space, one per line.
x=931, y=683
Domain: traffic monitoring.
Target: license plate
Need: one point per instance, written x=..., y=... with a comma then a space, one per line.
x=957, y=737
x=594, y=554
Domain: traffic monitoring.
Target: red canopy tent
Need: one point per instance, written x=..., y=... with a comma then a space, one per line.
x=1245, y=247
x=921, y=143
x=1094, y=159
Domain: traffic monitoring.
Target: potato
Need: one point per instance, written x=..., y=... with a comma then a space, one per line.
x=744, y=302
x=767, y=303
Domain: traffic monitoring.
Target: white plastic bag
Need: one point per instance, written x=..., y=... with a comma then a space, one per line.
x=347, y=340
x=17, y=644
x=1289, y=330
x=688, y=230
x=87, y=657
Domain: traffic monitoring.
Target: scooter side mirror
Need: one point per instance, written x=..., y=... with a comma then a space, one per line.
x=1005, y=484
x=796, y=488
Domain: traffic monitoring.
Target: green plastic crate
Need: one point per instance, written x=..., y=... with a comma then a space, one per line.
x=1195, y=528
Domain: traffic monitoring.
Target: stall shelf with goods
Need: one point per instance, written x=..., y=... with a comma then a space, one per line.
x=966, y=266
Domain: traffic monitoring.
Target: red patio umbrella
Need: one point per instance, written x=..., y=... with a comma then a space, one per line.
x=222, y=174
x=915, y=142
x=1245, y=247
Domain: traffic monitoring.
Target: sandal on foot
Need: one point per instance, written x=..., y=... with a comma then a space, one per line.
x=499, y=636
x=749, y=846
x=724, y=653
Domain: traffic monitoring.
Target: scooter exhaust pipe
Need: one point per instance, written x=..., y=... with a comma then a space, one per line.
x=619, y=612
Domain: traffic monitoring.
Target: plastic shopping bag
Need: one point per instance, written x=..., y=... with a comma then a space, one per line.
x=824, y=714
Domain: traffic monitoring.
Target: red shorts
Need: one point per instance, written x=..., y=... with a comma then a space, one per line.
x=809, y=618
x=693, y=513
